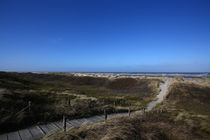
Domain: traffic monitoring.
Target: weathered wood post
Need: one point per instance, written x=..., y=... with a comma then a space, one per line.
x=69, y=101
x=115, y=106
x=129, y=111
x=103, y=102
x=29, y=106
x=89, y=103
x=105, y=114
x=64, y=123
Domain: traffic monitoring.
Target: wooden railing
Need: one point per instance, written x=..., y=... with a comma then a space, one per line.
x=22, y=110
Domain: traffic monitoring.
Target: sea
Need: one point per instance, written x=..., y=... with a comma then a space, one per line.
x=155, y=74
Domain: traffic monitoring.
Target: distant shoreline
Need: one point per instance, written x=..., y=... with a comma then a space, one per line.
x=148, y=74
x=133, y=74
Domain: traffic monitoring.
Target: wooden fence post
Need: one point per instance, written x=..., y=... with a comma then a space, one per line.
x=89, y=103
x=115, y=107
x=129, y=111
x=69, y=102
x=105, y=114
x=29, y=106
x=103, y=102
x=64, y=123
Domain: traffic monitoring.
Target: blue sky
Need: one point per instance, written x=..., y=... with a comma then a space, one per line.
x=105, y=35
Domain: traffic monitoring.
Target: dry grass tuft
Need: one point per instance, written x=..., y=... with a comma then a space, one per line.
x=137, y=127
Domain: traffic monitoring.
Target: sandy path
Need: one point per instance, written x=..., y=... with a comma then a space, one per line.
x=163, y=91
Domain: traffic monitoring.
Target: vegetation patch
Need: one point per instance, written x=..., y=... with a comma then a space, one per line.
x=188, y=103
x=55, y=94
x=137, y=126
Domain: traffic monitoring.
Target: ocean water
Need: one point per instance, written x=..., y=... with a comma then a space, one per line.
x=155, y=74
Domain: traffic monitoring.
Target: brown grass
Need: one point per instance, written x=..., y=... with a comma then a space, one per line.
x=184, y=115
x=49, y=94
x=136, y=127
x=188, y=103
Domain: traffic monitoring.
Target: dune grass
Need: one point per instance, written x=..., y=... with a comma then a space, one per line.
x=184, y=114
x=49, y=95
x=137, y=126
x=189, y=103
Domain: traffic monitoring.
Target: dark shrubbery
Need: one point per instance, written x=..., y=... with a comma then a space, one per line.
x=49, y=100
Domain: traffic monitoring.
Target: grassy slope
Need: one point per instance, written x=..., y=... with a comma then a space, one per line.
x=49, y=94
x=144, y=127
x=189, y=103
x=185, y=115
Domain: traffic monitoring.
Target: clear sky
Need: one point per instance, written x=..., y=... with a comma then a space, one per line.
x=105, y=35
